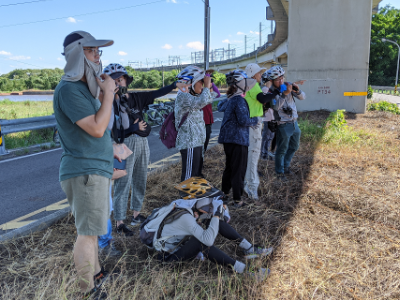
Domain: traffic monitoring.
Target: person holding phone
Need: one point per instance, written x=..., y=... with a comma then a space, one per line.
x=288, y=132
x=86, y=165
x=130, y=128
x=192, y=132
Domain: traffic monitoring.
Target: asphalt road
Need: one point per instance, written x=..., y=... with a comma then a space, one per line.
x=29, y=183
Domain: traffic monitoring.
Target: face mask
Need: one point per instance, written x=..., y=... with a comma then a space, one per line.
x=122, y=90
x=92, y=71
x=283, y=88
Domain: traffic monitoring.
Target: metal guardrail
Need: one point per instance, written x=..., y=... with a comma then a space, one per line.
x=19, y=125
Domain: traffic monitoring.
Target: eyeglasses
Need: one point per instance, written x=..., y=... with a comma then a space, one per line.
x=280, y=78
x=94, y=51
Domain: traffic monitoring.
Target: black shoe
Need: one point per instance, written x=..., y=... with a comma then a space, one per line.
x=100, y=278
x=138, y=220
x=110, y=250
x=288, y=171
x=281, y=177
x=123, y=229
x=95, y=294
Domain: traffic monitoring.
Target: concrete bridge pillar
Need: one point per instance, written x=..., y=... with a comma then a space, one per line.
x=328, y=45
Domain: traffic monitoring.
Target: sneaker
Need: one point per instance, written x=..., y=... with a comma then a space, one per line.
x=95, y=294
x=100, y=278
x=260, y=274
x=288, y=171
x=251, y=194
x=110, y=250
x=123, y=229
x=271, y=154
x=281, y=177
x=138, y=220
x=257, y=251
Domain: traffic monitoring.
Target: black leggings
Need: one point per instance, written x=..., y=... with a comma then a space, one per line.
x=192, y=247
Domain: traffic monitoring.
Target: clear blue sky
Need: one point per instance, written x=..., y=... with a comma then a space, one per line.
x=156, y=30
x=168, y=27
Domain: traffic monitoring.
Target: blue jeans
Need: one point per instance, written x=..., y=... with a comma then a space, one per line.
x=287, y=143
x=267, y=137
x=104, y=240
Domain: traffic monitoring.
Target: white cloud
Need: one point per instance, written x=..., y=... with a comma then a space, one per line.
x=4, y=53
x=172, y=1
x=195, y=45
x=71, y=20
x=254, y=32
x=122, y=53
x=59, y=59
x=240, y=33
x=167, y=46
x=20, y=57
x=226, y=41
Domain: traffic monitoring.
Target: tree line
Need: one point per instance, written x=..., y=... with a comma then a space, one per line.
x=47, y=79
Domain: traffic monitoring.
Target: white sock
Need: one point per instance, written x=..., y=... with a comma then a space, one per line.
x=239, y=267
x=245, y=244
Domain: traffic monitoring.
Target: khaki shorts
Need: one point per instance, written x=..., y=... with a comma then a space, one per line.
x=88, y=196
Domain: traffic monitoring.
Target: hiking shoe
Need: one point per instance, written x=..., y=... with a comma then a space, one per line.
x=138, y=220
x=288, y=171
x=281, y=177
x=95, y=294
x=257, y=251
x=124, y=230
x=251, y=194
x=109, y=250
x=100, y=278
x=260, y=274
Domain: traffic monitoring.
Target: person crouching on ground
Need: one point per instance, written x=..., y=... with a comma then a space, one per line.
x=128, y=106
x=86, y=164
x=256, y=98
x=234, y=133
x=189, y=120
x=192, y=239
x=288, y=132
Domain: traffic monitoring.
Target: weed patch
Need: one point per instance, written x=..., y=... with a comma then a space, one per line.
x=335, y=228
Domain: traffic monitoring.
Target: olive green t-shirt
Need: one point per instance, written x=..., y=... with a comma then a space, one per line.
x=255, y=107
x=83, y=154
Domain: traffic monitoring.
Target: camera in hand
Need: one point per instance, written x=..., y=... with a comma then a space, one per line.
x=122, y=90
x=287, y=110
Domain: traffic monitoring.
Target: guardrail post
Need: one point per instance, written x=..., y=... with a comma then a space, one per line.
x=3, y=150
x=56, y=136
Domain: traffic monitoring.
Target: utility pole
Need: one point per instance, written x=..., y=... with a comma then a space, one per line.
x=245, y=44
x=162, y=74
x=260, y=34
x=206, y=33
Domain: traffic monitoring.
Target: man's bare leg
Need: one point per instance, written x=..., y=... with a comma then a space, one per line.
x=86, y=261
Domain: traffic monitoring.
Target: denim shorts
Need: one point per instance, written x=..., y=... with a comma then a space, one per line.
x=88, y=197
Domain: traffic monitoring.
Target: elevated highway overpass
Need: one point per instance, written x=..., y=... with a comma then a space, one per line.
x=323, y=42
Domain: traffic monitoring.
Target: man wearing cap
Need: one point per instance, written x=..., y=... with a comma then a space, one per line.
x=255, y=98
x=87, y=160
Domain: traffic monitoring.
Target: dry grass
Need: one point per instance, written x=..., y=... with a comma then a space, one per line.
x=335, y=228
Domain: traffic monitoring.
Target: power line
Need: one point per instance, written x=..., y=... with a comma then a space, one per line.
x=23, y=63
x=23, y=3
x=80, y=15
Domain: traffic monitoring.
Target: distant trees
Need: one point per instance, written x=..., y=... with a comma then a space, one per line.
x=383, y=56
x=47, y=79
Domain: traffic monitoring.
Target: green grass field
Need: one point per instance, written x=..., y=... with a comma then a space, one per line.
x=10, y=110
